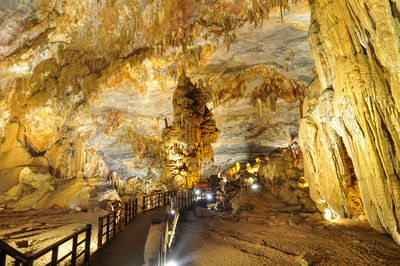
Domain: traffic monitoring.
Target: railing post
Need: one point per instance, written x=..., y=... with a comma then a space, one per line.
x=54, y=256
x=3, y=256
x=121, y=217
x=87, y=244
x=136, y=206
x=115, y=223
x=150, y=201
x=131, y=210
x=74, y=247
x=126, y=212
x=144, y=203
x=118, y=219
x=108, y=228
x=100, y=235
x=165, y=198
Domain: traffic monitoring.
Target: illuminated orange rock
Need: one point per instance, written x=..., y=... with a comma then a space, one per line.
x=42, y=128
x=187, y=143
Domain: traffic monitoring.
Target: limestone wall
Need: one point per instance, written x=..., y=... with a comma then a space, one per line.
x=350, y=131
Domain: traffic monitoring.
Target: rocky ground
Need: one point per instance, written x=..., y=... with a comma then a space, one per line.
x=274, y=234
x=32, y=231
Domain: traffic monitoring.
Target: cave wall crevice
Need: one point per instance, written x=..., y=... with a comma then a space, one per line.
x=355, y=45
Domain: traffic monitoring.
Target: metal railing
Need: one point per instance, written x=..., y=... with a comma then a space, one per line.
x=179, y=202
x=9, y=254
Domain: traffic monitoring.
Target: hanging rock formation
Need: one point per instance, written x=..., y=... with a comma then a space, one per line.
x=187, y=143
x=85, y=85
x=350, y=132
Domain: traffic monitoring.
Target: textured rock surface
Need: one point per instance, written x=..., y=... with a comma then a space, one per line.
x=281, y=175
x=85, y=85
x=42, y=191
x=350, y=133
x=187, y=142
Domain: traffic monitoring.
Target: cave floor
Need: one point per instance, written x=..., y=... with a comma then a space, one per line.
x=31, y=231
x=265, y=235
x=280, y=238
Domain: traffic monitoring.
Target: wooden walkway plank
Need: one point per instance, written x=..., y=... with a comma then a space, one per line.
x=127, y=248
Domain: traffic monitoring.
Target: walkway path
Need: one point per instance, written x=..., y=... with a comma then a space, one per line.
x=127, y=248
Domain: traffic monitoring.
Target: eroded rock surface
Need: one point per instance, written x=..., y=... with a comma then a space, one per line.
x=350, y=132
x=187, y=142
x=85, y=86
x=42, y=191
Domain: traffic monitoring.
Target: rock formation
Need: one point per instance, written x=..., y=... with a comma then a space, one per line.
x=86, y=85
x=187, y=142
x=350, y=131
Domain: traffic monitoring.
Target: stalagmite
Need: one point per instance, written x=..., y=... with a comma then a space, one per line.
x=193, y=127
x=289, y=122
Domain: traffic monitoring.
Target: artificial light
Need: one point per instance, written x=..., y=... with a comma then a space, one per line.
x=172, y=263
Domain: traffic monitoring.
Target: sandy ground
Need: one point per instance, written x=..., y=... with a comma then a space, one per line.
x=32, y=231
x=268, y=233
x=271, y=234
x=41, y=228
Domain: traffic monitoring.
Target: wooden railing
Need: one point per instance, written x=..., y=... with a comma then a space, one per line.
x=131, y=210
x=168, y=196
x=157, y=200
x=183, y=200
x=111, y=224
x=9, y=254
x=151, y=201
x=109, y=227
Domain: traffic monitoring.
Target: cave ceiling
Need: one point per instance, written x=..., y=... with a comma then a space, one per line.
x=86, y=86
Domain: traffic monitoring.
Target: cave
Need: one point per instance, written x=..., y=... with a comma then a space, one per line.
x=262, y=132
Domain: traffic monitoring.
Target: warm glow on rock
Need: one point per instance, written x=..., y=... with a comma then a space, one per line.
x=283, y=113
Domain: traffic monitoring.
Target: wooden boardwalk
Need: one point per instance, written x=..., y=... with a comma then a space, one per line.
x=127, y=248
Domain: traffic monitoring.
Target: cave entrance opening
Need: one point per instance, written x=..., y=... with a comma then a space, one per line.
x=351, y=190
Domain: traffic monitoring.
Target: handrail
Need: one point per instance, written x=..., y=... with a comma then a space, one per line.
x=114, y=222
x=60, y=242
x=157, y=199
x=178, y=202
x=20, y=258
x=131, y=210
x=6, y=249
x=183, y=200
x=111, y=224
